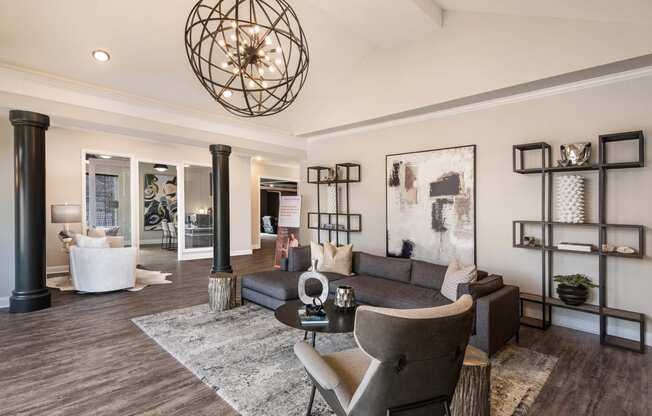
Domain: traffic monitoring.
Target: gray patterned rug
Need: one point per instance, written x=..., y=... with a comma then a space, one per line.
x=246, y=356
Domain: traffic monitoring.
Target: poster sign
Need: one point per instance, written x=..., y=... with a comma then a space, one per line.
x=289, y=221
x=289, y=211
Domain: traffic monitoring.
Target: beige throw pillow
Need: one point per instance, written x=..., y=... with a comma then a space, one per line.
x=337, y=259
x=331, y=258
x=96, y=232
x=455, y=275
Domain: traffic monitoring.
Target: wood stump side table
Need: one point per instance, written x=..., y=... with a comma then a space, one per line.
x=473, y=392
x=221, y=291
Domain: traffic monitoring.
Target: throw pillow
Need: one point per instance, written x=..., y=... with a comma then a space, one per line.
x=316, y=254
x=455, y=275
x=112, y=231
x=83, y=241
x=337, y=259
x=96, y=232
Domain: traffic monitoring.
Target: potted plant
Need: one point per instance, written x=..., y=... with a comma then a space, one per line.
x=573, y=289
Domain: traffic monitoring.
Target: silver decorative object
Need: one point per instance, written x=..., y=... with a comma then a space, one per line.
x=625, y=250
x=310, y=300
x=345, y=297
x=575, y=154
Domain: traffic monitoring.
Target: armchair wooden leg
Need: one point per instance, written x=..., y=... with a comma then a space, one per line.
x=312, y=399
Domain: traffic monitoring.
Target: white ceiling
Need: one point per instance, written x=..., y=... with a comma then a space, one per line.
x=369, y=58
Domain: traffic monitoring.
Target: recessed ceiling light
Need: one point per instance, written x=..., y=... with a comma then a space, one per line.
x=105, y=157
x=101, y=55
x=161, y=167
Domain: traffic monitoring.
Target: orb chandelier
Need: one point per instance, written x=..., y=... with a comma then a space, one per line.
x=250, y=55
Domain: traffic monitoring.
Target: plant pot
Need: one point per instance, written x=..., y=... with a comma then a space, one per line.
x=572, y=295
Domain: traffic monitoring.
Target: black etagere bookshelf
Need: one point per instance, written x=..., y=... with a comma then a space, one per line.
x=341, y=221
x=546, y=300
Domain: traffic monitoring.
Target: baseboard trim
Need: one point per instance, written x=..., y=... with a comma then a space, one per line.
x=4, y=302
x=207, y=254
x=57, y=269
x=255, y=246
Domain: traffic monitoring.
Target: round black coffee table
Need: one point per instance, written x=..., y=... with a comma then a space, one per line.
x=339, y=321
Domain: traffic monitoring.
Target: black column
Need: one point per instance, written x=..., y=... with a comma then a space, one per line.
x=30, y=293
x=221, y=232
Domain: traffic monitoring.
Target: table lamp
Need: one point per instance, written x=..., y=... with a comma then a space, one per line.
x=65, y=214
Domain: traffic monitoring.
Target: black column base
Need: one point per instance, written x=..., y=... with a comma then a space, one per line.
x=223, y=269
x=21, y=302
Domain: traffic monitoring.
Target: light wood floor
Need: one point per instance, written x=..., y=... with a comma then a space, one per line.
x=83, y=356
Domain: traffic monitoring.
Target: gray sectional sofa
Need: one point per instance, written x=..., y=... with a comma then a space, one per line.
x=397, y=283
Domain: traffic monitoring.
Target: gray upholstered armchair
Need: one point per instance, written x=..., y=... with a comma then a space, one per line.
x=408, y=361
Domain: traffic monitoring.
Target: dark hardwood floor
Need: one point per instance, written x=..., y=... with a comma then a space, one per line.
x=83, y=356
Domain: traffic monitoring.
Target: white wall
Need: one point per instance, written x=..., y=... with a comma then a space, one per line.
x=263, y=170
x=503, y=196
x=6, y=210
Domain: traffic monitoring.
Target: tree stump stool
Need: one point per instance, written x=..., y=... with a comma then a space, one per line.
x=221, y=291
x=473, y=392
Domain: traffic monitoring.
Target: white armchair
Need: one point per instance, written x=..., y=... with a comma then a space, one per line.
x=103, y=269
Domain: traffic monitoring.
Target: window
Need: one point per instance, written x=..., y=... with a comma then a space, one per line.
x=106, y=206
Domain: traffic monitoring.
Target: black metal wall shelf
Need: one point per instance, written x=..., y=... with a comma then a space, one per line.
x=345, y=173
x=548, y=248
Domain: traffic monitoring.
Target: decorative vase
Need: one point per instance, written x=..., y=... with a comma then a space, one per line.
x=572, y=295
x=333, y=204
x=570, y=198
x=345, y=297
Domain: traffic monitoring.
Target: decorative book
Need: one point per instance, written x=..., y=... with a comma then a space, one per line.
x=311, y=318
x=586, y=248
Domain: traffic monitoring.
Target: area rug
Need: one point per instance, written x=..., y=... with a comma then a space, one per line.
x=144, y=278
x=246, y=356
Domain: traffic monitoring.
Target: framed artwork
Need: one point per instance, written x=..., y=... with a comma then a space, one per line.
x=159, y=199
x=430, y=205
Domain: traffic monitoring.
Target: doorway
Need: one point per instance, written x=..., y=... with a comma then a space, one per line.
x=158, y=219
x=271, y=191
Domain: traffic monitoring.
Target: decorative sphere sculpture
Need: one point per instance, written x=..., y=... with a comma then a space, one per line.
x=250, y=55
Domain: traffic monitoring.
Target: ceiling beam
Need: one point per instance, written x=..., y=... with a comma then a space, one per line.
x=432, y=10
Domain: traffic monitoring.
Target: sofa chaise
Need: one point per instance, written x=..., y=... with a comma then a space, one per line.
x=397, y=283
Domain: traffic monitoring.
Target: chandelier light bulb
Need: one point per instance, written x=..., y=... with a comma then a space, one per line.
x=224, y=65
x=252, y=84
x=227, y=94
x=221, y=43
x=234, y=24
x=278, y=62
x=268, y=40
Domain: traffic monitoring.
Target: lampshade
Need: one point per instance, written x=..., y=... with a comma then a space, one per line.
x=65, y=214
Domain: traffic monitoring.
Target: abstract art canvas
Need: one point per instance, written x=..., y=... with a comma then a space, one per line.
x=431, y=205
x=160, y=200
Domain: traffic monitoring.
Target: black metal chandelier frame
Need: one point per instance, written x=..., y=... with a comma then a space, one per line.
x=248, y=43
